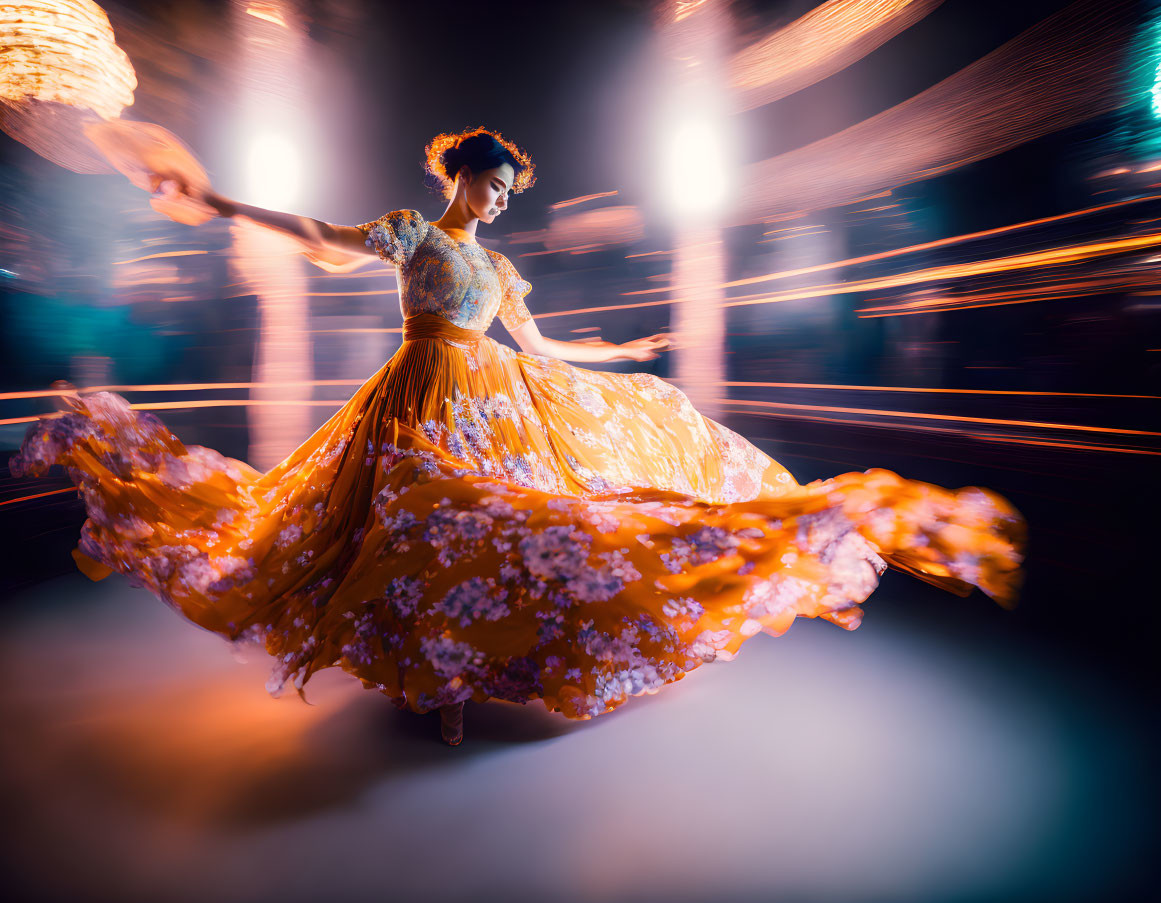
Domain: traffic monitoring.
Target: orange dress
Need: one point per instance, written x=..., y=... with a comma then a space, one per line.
x=477, y=523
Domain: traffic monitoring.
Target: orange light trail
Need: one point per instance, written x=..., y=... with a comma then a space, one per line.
x=576, y=249
x=182, y=387
x=912, y=249
x=39, y=495
x=1034, y=424
x=1014, y=392
x=118, y=263
x=1023, y=295
x=927, y=428
x=386, y=291
x=201, y=387
x=560, y=205
x=780, y=406
x=1051, y=257
x=208, y=403
x=268, y=13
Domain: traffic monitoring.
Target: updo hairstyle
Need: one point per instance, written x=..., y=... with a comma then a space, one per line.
x=478, y=149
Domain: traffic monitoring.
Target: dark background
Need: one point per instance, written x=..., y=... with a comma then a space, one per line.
x=572, y=83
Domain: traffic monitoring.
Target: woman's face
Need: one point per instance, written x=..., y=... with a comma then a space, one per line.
x=487, y=191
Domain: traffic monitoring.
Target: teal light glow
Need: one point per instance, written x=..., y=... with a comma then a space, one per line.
x=1156, y=91
x=1151, y=46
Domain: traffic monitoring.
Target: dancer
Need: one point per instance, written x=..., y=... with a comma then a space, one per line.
x=478, y=523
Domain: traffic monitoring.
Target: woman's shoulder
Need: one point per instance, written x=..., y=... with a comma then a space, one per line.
x=399, y=219
x=513, y=282
x=395, y=235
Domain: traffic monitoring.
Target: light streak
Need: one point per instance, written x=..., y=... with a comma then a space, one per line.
x=159, y=255
x=740, y=405
x=385, y=291
x=268, y=12
x=206, y=403
x=824, y=41
x=1032, y=424
x=842, y=387
x=683, y=9
x=913, y=249
x=926, y=428
x=560, y=205
x=1070, y=254
x=180, y=387
x=39, y=495
x=925, y=389
x=1022, y=295
x=1155, y=91
x=1062, y=71
x=599, y=227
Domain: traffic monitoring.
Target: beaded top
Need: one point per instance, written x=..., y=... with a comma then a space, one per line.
x=445, y=273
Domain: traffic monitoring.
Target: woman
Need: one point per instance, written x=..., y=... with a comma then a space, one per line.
x=477, y=523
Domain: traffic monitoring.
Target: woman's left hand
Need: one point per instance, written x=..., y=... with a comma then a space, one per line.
x=645, y=349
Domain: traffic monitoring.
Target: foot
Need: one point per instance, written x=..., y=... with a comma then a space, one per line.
x=451, y=718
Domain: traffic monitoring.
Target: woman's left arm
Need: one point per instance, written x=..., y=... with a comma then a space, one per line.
x=528, y=337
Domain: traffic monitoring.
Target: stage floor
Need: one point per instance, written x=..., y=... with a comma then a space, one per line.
x=911, y=760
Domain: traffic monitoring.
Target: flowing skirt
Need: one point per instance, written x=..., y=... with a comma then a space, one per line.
x=477, y=523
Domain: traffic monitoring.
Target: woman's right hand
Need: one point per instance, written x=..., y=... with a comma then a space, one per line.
x=157, y=161
x=645, y=349
x=183, y=202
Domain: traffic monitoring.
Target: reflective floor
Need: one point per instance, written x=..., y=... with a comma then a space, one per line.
x=924, y=759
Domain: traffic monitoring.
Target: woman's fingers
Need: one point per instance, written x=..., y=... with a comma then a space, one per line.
x=172, y=186
x=646, y=349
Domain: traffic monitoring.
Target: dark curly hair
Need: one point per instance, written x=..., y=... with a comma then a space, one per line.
x=478, y=149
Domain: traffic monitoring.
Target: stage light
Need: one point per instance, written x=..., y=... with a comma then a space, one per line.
x=273, y=171
x=696, y=166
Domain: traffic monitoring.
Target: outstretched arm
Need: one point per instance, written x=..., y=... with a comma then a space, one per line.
x=528, y=337
x=333, y=244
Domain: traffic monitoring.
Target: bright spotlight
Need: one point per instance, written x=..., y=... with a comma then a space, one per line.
x=273, y=171
x=696, y=166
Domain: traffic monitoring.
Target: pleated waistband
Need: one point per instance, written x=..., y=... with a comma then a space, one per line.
x=433, y=326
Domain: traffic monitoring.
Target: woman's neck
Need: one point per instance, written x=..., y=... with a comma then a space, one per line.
x=459, y=217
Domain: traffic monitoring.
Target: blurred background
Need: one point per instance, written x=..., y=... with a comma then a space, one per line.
x=910, y=234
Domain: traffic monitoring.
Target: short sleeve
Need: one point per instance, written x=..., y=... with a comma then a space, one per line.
x=394, y=236
x=512, y=313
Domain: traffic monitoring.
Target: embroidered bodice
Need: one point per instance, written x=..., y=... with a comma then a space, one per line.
x=456, y=278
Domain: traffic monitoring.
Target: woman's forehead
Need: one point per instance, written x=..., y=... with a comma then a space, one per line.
x=504, y=171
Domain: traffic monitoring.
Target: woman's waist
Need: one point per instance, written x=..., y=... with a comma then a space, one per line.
x=437, y=326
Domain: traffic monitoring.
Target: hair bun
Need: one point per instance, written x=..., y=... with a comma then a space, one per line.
x=451, y=160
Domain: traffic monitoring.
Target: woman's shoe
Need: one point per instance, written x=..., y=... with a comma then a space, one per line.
x=451, y=719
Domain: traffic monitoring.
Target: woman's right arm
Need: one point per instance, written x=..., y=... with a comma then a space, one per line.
x=334, y=244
